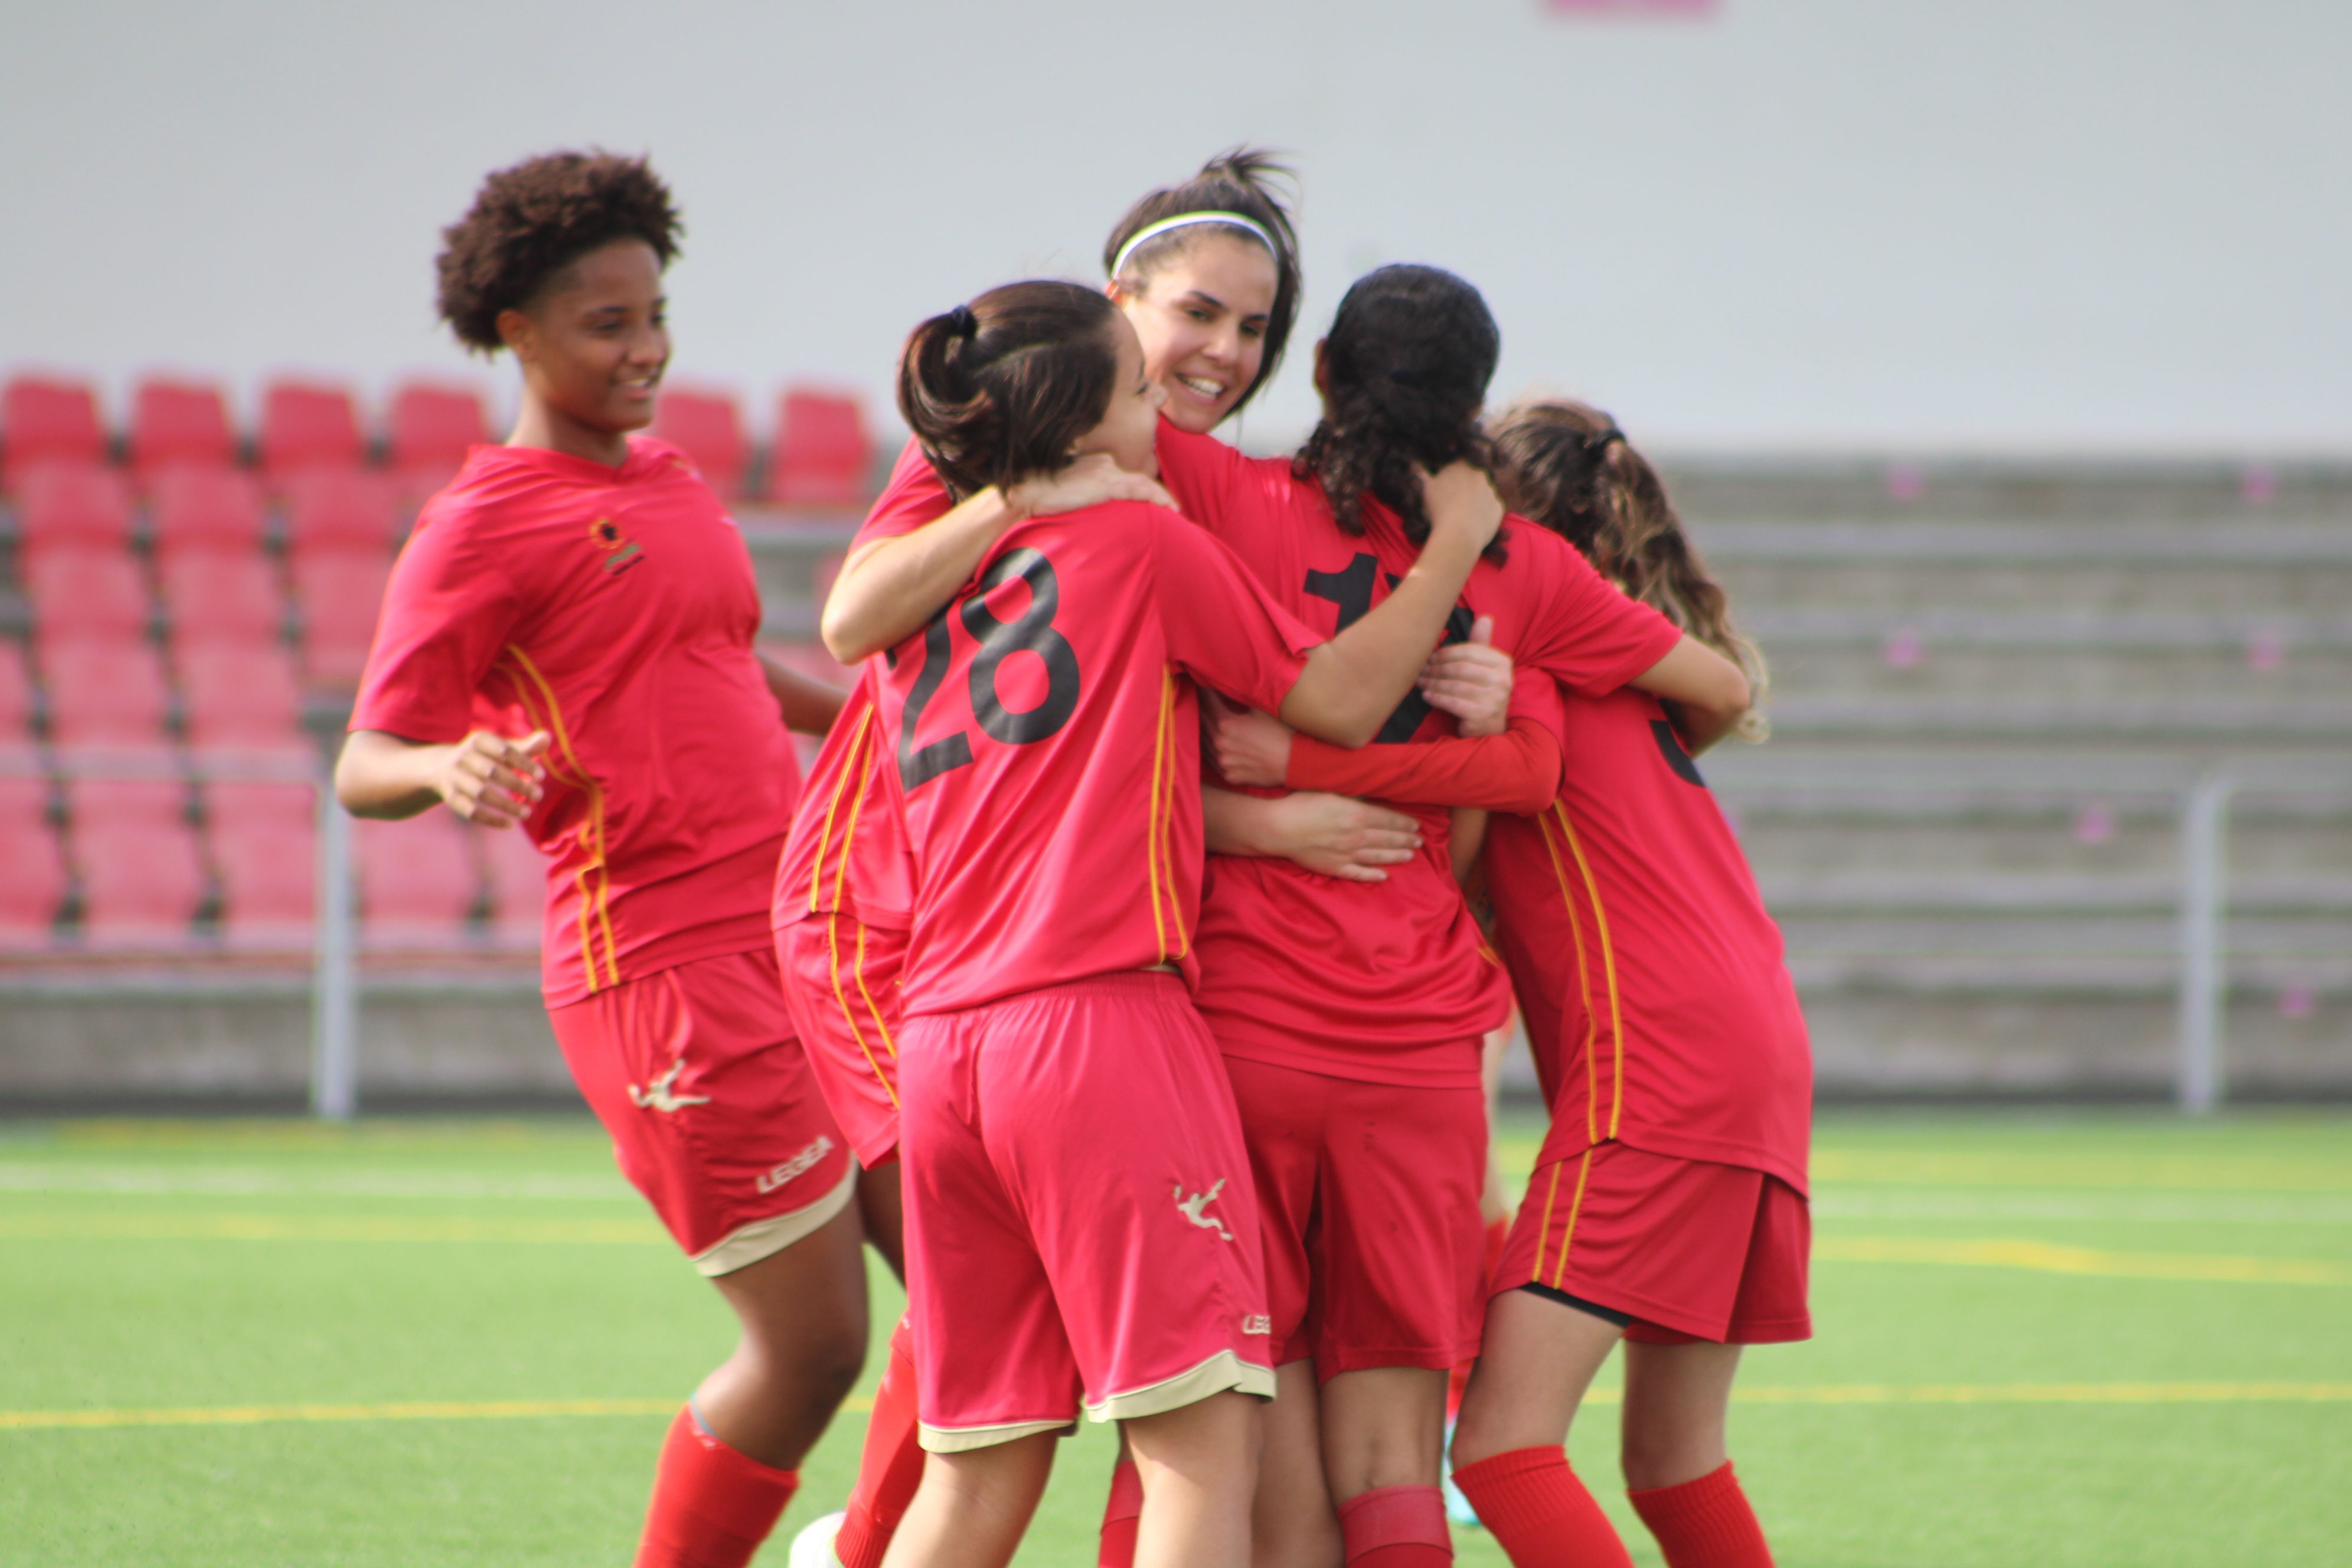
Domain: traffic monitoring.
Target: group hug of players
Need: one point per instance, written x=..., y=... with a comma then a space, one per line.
x=1157, y=1078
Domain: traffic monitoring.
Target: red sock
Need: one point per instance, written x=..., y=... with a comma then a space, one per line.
x=891, y=1466
x=712, y=1506
x=1704, y=1523
x=1396, y=1527
x=1122, y=1511
x=1539, y=1513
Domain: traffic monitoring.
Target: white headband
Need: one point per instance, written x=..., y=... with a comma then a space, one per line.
x=1153, y=231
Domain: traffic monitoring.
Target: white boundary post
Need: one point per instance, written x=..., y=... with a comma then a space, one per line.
x=2204, y=821
x=334, y=991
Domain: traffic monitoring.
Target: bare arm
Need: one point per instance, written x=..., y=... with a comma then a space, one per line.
x=1705, y=692
x=486, y=778
x=1329, y=834
x=1351, y=683
x=889, y=588
x=808, y=705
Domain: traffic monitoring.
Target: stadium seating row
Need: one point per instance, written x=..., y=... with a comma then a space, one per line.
x=111, y=693
x=141, y=875
x=821, y=456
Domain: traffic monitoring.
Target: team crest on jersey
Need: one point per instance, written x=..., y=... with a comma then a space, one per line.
x=621, y=551
x=1192, y=1208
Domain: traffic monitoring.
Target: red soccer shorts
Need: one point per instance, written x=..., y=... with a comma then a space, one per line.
x=1375, y=1255
x=1690, y=1250
x=1080, y=1228
x=841, y=984
x=713, y=1112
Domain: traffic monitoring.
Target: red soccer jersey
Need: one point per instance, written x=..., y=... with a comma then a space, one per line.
x=847, y=847
x=1384, y=982
x=1046, y=742
x=614, y=609
x=1627, y=912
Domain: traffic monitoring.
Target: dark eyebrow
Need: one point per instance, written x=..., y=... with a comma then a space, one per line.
x=1205, y=298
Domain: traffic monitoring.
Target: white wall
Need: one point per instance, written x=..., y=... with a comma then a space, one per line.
x=1969, y=224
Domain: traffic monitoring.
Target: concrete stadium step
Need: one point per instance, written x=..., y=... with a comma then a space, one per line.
x=2026, y=489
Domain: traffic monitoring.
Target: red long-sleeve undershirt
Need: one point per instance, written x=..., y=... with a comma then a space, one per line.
x=1518, y=771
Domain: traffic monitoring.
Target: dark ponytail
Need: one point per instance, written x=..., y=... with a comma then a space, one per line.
x=1406, y=370
x=1002, y=388
x=1567, y=465
x=1244, y=179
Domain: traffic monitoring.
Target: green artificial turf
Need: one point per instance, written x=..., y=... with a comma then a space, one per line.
x=2082, y=1339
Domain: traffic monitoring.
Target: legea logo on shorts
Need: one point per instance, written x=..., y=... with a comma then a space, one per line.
x=1191, y=1207
x=800, y=1165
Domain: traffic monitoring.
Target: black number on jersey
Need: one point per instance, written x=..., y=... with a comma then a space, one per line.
x=1031, y=631
x=1351, y=590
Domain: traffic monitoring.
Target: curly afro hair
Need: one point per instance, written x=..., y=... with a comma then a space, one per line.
x=532, y=220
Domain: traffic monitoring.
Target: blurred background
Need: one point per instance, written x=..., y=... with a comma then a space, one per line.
x=1995, y=352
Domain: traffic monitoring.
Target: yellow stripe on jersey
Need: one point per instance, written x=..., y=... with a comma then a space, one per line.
x=1543, y=1231
x=854, y=765
x=1608, y=966
x=1160, y=764
x=1166, y=816
x=593, y=878
x=1584, y=982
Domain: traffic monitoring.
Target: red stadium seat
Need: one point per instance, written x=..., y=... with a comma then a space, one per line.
x=71, y=505
x=104, y=693
x=15, y=698
x=246, y=804
x=340, y=593
x=517, y=870
x=340, y=510
x=269, y=875
x=32, y=882
x=156, y=798
x=207, y=508
x=241, y=698
x=88, y=595
x=176, y=424
x=417, y=881
x=24, y=789
x=705, y=427
x=142, y=883
x=45, y=421
x=822, y=456
x=430, y=428
x=305, y=425
x=215, y=596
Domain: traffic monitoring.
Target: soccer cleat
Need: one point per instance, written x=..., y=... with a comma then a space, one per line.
x=813, y=1547
x=1457, y=1507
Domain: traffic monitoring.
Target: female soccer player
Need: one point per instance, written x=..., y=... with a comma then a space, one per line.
x=1079, y=1228
x=567, y=645
x=1669, y=1201
x=1349, y=1015
x=1206, y=272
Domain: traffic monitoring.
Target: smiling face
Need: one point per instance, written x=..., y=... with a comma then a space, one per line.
x=594, y=342
x=1130, y=430
x=1201, y=316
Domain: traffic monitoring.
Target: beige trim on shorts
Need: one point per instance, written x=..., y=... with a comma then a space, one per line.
x=766, y=1238
x=1220, y=1372
x=963, y=1439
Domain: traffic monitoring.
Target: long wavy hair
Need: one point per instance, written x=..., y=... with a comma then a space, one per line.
x=1567, y=465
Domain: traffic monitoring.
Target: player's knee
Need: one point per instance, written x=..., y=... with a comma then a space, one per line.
x=1658, y=1453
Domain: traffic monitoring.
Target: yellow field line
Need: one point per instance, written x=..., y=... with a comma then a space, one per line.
x=2047, y=1258
x=421, y=1410
x=1819, y=1394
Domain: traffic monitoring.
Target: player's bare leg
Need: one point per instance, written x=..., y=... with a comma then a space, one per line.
x=1383, y=1426
x=885, y=1214
x=973, y=1506
x=803, y=1314
x=1293, y=1523
x=1538, y=1359
x=1677, y=1400
x=1199, y=1468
